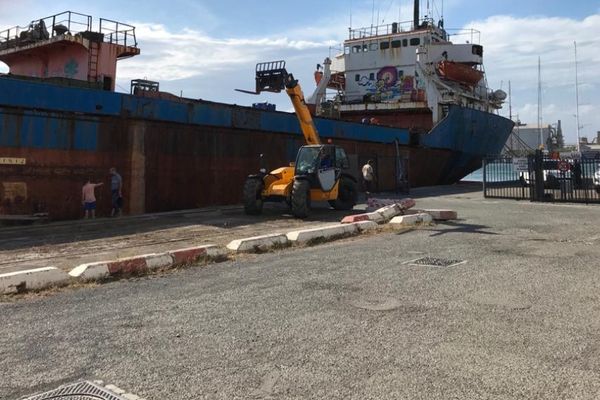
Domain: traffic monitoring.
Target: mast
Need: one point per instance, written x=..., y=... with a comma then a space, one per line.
x=577, y=101
x=372, y=16
x=509, y=102
x=350, y=15
x=510, y=114
x=540, y=102
x=416, y=15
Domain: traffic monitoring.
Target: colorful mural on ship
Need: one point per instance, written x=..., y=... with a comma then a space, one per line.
x=390, y=83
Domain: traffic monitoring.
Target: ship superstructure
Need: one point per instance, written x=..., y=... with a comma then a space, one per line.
x=70, y=48
x=407, y=75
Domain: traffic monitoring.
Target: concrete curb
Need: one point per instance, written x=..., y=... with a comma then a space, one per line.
x=193, y=254
x=157, y=261
x=438, y=215
x=389, y=212
x=371, y=217
x=411, y=220
x=44, y=277
x=442, y=215
x=375, y=203
x=365, y=226
x=32, y=279
x=90, y=271
x=258, y=243
x=144, y=263
x=383, y=214
x=323, y=232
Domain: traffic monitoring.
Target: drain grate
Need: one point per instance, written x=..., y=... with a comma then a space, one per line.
x=77, y=391
x=435, y=262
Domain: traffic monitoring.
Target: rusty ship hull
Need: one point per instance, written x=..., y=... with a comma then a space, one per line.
x=180, y=154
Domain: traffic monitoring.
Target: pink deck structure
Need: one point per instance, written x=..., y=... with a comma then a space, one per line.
x=66, y=46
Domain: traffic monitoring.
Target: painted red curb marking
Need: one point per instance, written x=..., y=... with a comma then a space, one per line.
x=355, y=218
x=186, y=256
x=128, y=266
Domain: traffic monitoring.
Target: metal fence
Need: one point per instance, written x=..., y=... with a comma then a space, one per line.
x=540, y=177
x=502, y=180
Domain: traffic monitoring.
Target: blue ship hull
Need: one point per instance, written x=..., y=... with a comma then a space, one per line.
x=52, y=138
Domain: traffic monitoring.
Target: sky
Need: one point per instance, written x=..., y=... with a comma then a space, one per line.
x=206, y=49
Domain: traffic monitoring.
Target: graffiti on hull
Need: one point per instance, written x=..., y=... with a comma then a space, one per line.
x=390, y=83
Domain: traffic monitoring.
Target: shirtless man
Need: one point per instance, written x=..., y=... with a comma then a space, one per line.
x=88, y=198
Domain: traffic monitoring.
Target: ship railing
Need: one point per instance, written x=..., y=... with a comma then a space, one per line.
x=45, y=28
x=10, y=36
x=468, y=35
x=118, y=33
x=388, y=29
x=68, y=22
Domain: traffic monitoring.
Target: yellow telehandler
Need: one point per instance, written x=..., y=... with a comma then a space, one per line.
x=320, y=172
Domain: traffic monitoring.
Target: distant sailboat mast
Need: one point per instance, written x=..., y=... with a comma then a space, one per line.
x=539, y=117
x=577, y=102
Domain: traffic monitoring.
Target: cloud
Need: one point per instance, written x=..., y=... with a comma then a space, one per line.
x=174, y=55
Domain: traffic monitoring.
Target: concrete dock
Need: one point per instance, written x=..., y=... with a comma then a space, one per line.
x=515, y=315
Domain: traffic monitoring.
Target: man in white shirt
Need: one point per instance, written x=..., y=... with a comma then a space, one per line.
x=368, y=176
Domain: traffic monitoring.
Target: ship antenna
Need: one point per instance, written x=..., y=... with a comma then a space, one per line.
x=372, y=16
x=399, y=12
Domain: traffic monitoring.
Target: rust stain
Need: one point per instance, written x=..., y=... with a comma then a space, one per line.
x=14, y=192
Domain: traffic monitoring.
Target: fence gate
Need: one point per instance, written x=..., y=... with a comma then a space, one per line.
x=539, y=177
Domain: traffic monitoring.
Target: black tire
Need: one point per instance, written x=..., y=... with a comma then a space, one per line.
x=253, y=201
x=347, y=195
x=300, y=198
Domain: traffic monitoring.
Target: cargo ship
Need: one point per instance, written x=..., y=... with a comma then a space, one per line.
x=62, y=123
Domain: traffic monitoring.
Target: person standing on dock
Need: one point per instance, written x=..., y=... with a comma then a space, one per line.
x=368, y=176
x=88, y=198
x=116, y=189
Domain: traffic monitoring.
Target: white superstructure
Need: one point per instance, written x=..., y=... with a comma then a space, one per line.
x=406, y=67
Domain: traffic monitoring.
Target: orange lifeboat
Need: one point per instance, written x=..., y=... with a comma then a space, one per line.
x=458, y=72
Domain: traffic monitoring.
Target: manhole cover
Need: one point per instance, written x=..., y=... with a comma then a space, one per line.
x=77, y=391
x=435, y=262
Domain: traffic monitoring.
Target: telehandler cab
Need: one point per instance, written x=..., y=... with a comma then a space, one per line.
x=320, y=172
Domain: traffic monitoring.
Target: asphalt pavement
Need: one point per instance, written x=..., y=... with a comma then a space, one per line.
x=355, y=319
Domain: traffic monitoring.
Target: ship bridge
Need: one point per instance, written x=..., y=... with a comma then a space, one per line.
x=406, y=28
x=379, y=63
x=69, y=47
